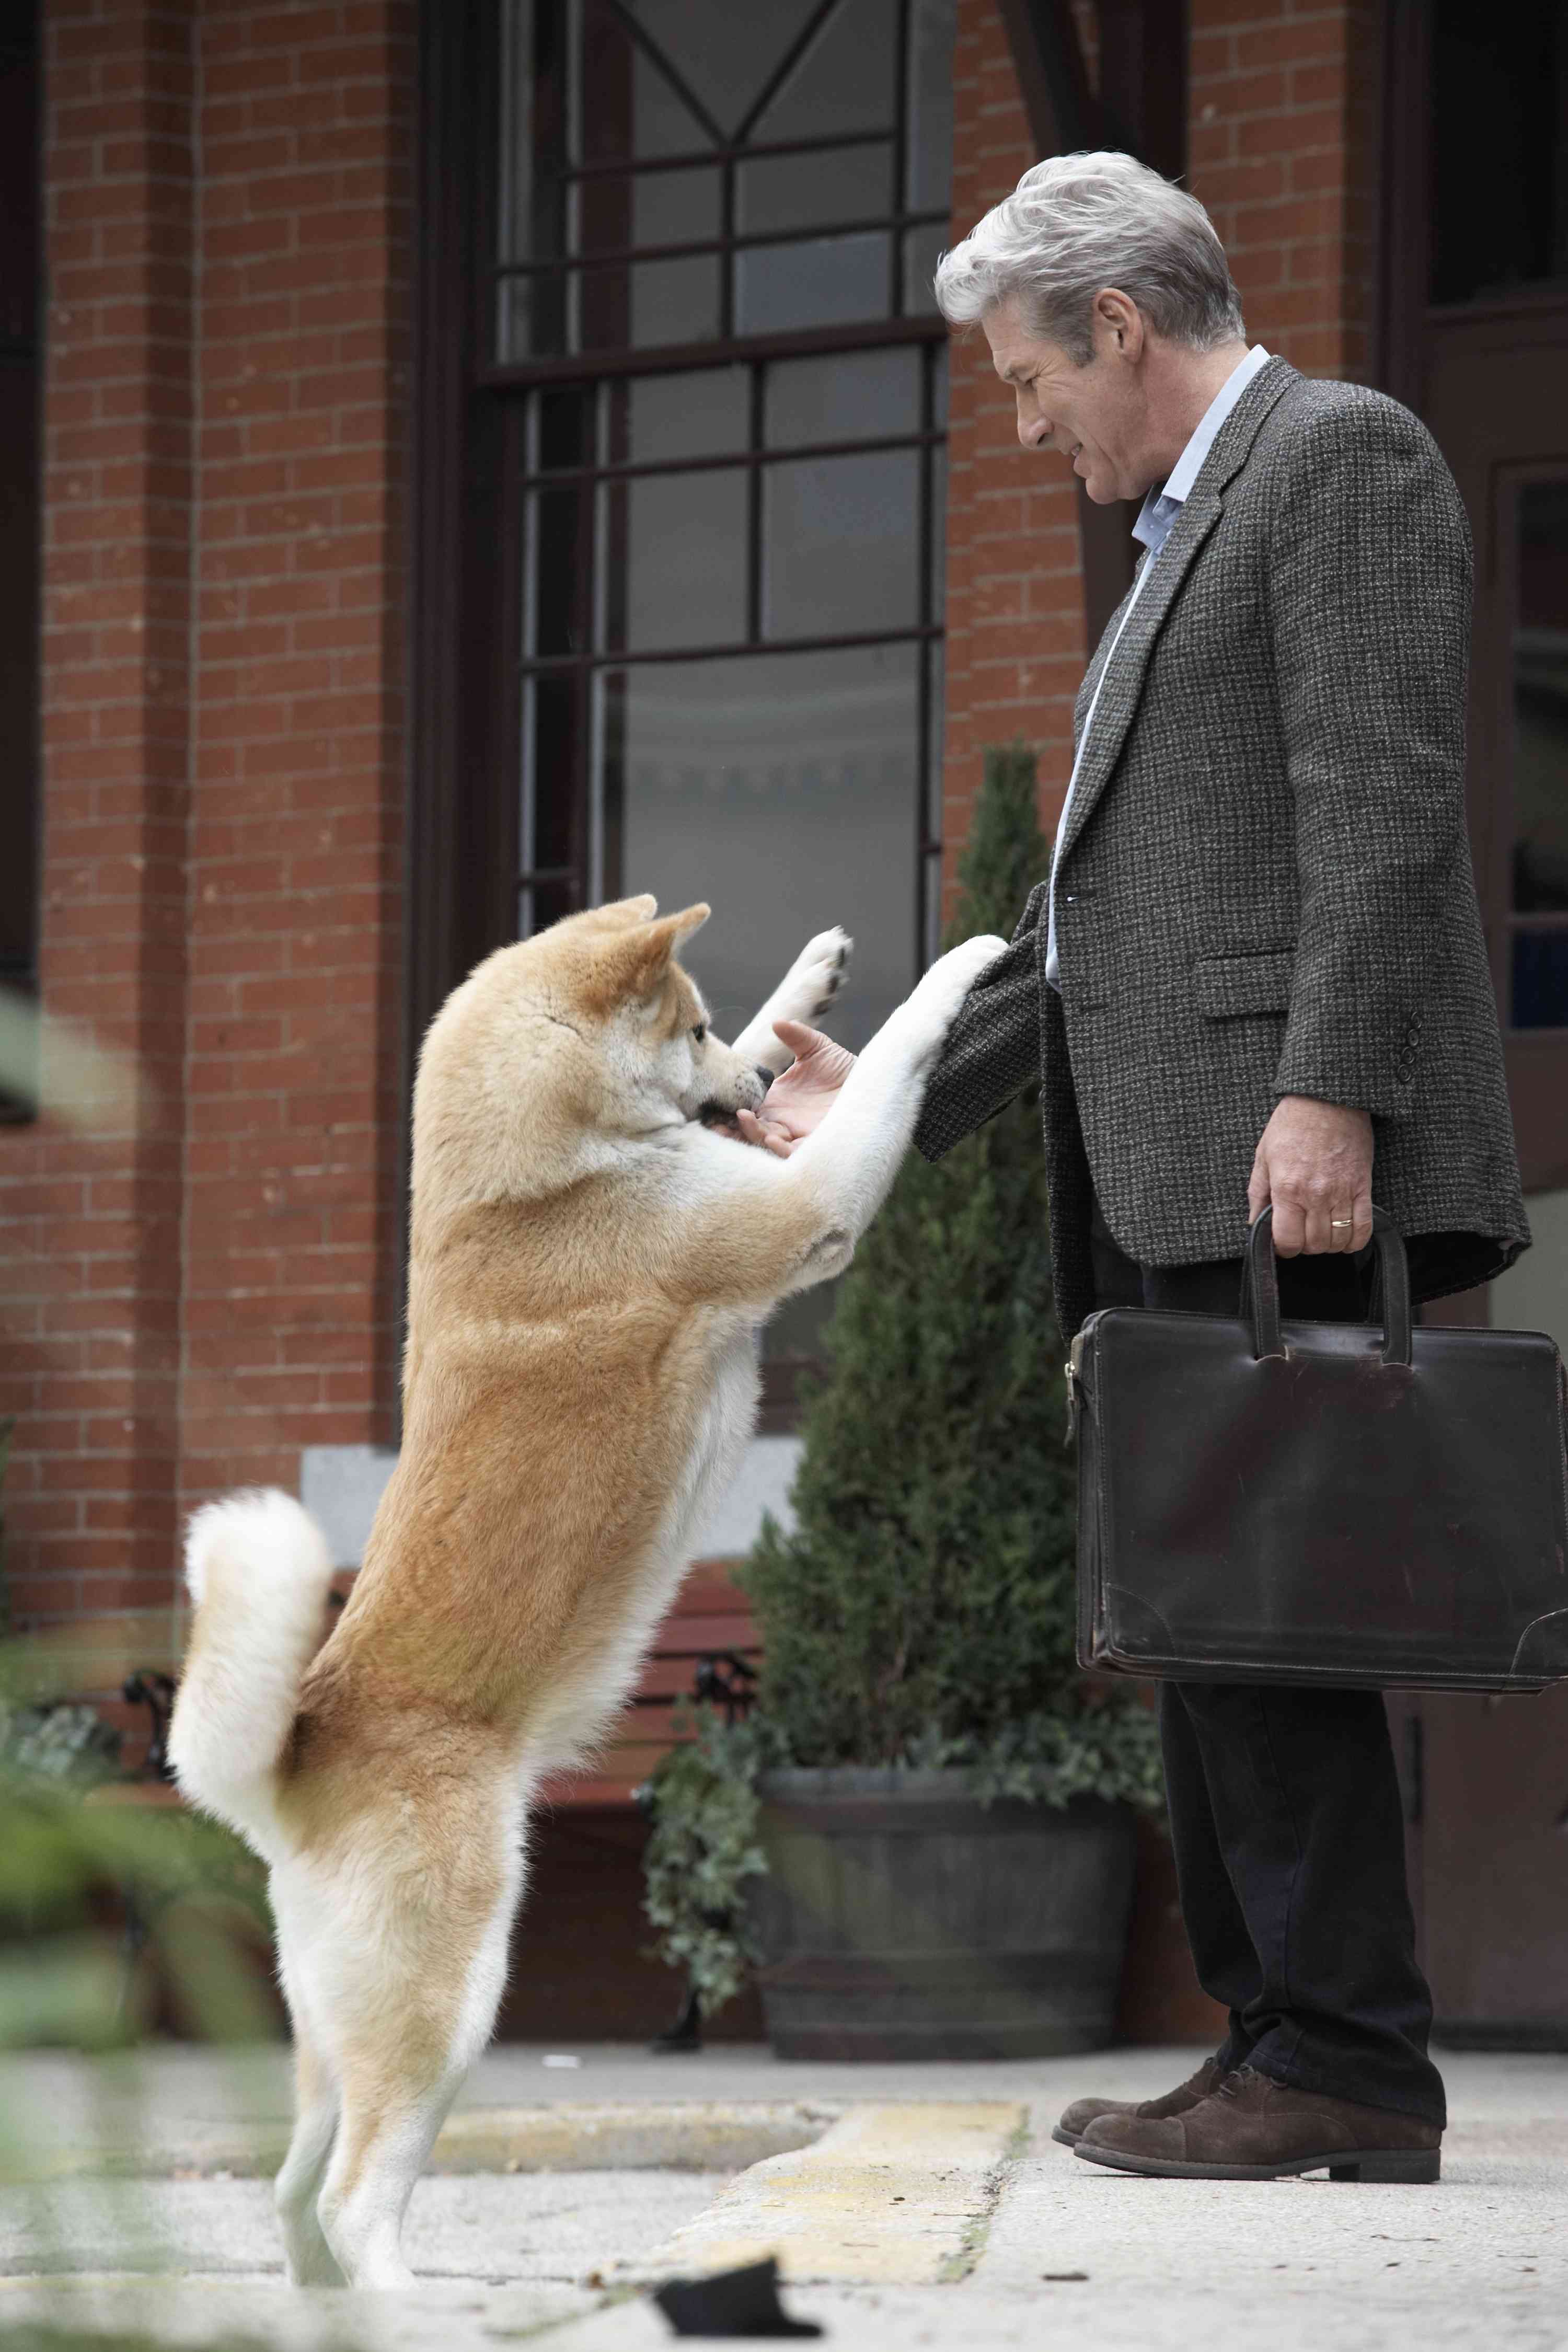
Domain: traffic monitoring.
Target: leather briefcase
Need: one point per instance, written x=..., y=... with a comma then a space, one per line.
x=1321, y=1502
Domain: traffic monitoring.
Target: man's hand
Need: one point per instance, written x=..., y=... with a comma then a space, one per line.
x=1314, y=1163
x=801, y=1098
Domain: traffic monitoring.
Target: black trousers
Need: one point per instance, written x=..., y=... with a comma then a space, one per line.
x=1285, y=1810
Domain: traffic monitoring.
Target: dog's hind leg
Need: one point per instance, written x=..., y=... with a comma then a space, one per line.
x=389, y=2125
x=311, y=2261
x=411, y=2011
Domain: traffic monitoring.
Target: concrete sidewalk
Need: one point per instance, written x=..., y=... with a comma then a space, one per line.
x=606, y=2161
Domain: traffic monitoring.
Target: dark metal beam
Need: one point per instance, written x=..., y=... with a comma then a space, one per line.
x=1048, y=58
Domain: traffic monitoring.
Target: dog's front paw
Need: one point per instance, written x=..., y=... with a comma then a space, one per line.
x=816, y=975
x=952, y=977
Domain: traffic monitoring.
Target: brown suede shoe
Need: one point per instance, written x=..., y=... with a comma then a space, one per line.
x=1253, y=2129
x=1077, y=2118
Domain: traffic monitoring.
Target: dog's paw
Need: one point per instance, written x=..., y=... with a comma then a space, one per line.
x=952, y=977
x=816, y=975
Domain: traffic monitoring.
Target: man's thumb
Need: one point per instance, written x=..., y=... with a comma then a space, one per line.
x=798, y=1038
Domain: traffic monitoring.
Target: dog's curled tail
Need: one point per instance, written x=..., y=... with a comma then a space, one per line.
x=258, y=1568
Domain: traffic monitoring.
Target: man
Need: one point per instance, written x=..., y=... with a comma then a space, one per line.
x=1253, y=976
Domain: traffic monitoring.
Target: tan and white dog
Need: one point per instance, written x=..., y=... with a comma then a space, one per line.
x=590, y=1265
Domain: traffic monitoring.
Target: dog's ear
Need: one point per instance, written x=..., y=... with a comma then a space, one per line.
x=634, y=965
x=621, y=914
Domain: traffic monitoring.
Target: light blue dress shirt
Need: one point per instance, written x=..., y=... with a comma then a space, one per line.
x=1157, y=513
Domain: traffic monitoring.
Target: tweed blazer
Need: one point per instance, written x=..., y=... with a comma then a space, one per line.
x=1264, y=885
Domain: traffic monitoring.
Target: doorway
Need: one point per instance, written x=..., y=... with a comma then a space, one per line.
x=1476, y=324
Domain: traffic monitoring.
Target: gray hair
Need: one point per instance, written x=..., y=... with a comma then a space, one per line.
x=1076, y=224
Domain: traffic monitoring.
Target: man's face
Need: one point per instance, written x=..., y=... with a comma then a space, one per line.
x=1093, y=416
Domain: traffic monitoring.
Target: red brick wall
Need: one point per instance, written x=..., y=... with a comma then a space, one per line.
x=295, y=835
x=1015, y=597
x=1283, y=154
x=198, y=1271
x=1283, y=144
x=91, y=1193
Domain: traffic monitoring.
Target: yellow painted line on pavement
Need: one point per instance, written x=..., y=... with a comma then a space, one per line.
x=889, y=2196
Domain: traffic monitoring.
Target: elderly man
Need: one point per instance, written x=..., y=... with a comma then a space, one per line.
x=1255, y=974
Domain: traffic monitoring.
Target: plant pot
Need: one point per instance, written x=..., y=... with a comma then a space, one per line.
x=902, y=1919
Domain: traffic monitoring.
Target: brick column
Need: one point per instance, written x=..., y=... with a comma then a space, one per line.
x=91, y=1193
x=200, y=1260
x=291, y=1170
x=1283, y=138
x=1014, y=594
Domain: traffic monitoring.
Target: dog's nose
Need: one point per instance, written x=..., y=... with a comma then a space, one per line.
x=766, y=1077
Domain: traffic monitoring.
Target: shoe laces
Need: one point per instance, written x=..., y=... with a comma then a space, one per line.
x=1233, y=2085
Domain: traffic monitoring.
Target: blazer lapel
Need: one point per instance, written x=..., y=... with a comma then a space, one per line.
x=1124, y=668
x=1085, y=694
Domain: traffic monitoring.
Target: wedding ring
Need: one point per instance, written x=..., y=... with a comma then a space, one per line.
x=1342, y=1220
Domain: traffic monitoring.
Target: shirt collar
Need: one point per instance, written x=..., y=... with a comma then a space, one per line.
x=1184, y=472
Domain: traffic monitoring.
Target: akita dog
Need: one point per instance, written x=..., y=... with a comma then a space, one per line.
x=590, y=1266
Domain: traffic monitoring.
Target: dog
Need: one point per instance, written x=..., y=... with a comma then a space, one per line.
x=591, y=1260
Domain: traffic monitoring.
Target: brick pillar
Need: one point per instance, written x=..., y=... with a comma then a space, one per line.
x=1283, y=138
x=200, y=1274
x=291, y=1167
x=1015, y=593
x=92, y=1192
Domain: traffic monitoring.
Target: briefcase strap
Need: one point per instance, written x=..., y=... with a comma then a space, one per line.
x=1261, y=1287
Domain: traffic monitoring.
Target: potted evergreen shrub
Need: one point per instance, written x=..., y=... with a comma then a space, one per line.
x=923, y=1837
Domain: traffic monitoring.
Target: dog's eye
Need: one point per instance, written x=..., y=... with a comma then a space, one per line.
x=698, y=1034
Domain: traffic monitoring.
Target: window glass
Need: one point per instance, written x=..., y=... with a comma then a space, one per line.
x=816, y=190
x=620, y=95
x=851, y=396
x=726, y=55
x=682, y=558
x=1541, y=759
x=841, y=541
x=557, y=572
x=783, y=788
x=929, y=165
x=526, y=141
x=643, y=306
x=937, y=589
x=923, y=249
x=688, y=78
x=1499, y=146
x=818, y=284
x=555, y=739
x=699, y=413
x=563, y=423
x=660, y=208
x=845, y=81
x=672, y=302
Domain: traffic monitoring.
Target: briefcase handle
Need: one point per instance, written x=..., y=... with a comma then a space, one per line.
x=1261, y=1287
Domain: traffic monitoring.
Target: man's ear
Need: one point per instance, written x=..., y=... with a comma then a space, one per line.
x=633, y=966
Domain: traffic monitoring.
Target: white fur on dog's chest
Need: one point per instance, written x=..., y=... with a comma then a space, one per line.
x=724, y=1425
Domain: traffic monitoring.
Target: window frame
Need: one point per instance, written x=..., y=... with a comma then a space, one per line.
x=468, y=409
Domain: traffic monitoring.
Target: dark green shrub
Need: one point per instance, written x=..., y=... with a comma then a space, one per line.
x=922, y=1609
